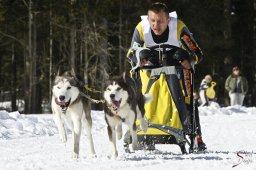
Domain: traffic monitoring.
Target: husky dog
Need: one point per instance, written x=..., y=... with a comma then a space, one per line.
x=124, y=103
x=70, y=107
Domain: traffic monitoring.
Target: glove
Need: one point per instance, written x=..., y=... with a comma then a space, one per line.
x=140, y=57
x=181, y=55
x=144, y=53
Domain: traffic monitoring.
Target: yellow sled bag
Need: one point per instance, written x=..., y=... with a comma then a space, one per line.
x=210, y=92
x=162, y=110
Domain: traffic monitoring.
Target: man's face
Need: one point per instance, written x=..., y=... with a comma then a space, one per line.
x=158, y=21
x=236, y=72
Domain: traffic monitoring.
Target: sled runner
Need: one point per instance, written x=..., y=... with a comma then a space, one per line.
x=172, y=114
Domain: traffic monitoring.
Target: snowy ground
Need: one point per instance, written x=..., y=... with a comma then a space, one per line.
x=31, y=142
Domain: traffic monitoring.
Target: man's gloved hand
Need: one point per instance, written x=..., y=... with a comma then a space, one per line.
x=140, y=57
x=181, y=55
x=145, y=55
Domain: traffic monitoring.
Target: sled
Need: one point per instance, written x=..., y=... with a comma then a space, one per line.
x=170, y=119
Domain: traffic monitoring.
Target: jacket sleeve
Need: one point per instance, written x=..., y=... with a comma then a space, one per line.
x=246, y=85
x=227, y=84
x=137, y=39
x=189, y=43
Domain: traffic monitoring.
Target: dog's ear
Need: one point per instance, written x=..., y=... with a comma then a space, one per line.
x=73, y=81
x=56, y=79
x=76, y=79
x=72, y=72
x=55, y=74
x=106, y=83
x=58, y=72
x=124, y=77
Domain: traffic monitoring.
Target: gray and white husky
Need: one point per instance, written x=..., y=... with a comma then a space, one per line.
x=70, y=107
x=124, y=103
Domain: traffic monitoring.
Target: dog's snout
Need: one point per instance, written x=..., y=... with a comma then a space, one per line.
x=112, y=96
x=62, y=98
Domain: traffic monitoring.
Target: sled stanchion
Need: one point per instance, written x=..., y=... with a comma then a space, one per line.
x=192, y=112
x=182, y=147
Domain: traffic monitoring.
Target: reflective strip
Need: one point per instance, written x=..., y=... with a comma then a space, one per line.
x=187, y=80
x=196, y=60
x=140, y=30
x=166, y=70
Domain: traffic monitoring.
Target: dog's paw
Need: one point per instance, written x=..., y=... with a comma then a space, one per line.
x=63, y=139
x=144, y=126
x=92, y=156
x=119, y=135
x=119, y=132
x=113, y=156
x=135, y=146
x=75, y=155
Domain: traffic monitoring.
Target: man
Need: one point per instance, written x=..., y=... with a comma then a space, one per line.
x=155, y=29
x=237, y=86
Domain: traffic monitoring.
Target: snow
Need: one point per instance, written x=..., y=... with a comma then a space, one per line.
x=31, y=142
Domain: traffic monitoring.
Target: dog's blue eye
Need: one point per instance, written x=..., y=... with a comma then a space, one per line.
x=119, y=88
x=68, y=87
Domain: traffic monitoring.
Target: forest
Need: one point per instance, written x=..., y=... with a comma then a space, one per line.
x=39, y=37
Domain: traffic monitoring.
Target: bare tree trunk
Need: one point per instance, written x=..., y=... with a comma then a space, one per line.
x=72, y=48
x=254, y=54
x=28, y=83
x=14, y=81
x=120, y=37
x=33, y=66
x=227, y=11
x=127, y=44
x=85, y=40
x=50, y=57
x=80, y=53
x=72, y=38
x=102, y=64
x=36, y=94
x=103, y=55
x=227, y=35
x=32, y=93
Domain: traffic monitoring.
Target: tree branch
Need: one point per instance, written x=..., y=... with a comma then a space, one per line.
x=14, y=38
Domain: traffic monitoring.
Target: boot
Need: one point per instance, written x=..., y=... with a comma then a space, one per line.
x=201, y=144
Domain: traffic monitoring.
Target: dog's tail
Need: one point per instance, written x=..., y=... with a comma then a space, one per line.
x=147, y=98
